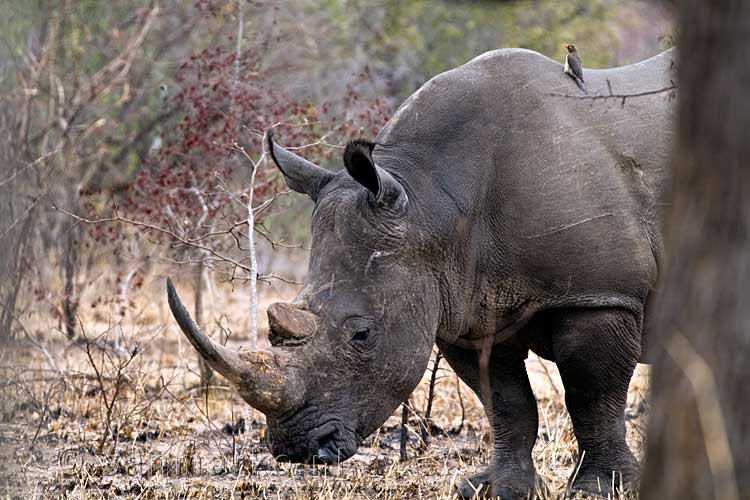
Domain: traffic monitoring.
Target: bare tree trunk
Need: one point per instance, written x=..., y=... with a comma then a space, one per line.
x=70, y=270
x=699, y=439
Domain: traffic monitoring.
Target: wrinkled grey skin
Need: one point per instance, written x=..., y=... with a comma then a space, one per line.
x=495, y=209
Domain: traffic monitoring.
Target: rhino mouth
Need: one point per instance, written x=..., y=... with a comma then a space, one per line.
x=329, y=444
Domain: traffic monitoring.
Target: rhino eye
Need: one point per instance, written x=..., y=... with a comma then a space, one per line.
x=361, y=334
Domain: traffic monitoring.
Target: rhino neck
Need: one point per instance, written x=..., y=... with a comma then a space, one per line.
x=442, y=222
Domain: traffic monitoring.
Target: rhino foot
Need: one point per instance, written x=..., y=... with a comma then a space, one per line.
x=506, y=486
x=475, y=486
x=594, y=485
x=597, y=489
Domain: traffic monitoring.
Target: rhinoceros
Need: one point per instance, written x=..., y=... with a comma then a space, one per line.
x=492, y=216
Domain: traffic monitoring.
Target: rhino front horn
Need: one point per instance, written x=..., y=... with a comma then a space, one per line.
x=264, y=378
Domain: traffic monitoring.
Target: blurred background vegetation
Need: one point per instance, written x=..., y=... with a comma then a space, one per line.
x=110, y=108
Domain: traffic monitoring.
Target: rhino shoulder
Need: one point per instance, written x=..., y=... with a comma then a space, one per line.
x=511, y=57
x=464, y=94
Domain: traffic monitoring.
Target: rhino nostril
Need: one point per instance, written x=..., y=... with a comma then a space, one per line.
x=326, y=457
x=328, y=452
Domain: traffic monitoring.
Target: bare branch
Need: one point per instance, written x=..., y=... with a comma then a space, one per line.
x=251, y=249
x=191, y=242
x=622, y=97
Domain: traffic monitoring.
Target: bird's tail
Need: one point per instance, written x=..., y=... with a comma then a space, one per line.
x=581, y=85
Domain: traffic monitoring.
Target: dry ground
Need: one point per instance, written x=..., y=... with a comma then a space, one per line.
x=124, y=416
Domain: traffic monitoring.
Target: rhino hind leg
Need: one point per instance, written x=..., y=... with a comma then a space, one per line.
x=596, y=351
x=511, y=474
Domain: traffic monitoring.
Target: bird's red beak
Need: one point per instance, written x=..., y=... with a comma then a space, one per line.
x=566, y=45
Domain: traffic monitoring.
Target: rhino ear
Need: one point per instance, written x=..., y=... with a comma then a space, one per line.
x=301, y=175
x=387, y=191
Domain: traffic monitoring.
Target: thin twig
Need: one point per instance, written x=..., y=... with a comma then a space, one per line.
x=427, y=424
x=549, y=376
x=622, y=97
x=192, y=242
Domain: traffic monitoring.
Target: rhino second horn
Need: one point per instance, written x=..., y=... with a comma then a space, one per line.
x=259, y=375
x=289, y=321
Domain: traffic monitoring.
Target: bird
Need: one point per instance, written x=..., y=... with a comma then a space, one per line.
x=573, y=65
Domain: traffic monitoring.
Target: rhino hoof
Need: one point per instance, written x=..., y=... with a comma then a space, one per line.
x=594, y=488
x=475, y=486
x=480, y=486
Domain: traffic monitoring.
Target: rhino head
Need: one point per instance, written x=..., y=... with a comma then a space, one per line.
x=356, y=340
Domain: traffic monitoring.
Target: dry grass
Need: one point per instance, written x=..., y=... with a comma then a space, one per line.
x=127, y=419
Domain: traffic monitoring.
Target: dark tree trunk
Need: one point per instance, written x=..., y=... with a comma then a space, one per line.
x=404, y=431
x=699, y=439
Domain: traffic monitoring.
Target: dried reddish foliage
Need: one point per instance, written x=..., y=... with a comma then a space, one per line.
x=196, y=183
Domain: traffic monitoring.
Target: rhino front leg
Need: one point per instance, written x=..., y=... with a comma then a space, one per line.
x=596, y=352
x=511, y=473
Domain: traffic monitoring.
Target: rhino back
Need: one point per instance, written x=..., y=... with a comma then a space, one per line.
x=560, y=196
